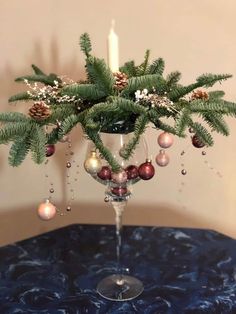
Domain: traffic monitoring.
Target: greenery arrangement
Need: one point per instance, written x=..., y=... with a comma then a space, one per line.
x=112, y=102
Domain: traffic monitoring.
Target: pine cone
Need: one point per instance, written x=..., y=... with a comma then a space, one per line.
x=121, y=80
x=199, y=94
x=39, y=111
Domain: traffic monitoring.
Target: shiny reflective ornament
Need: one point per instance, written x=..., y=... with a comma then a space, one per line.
x=203, y=153
x=68, y=164
x=104, y=173
x=146, y=170
x=165, y=140
x=50, y=150
x=68, y=208
x=119, y=190
x=93, y=164
x=51, y=190
x=184, y=172
x=132, y=172
x=46, y=211
x=119, y=177
x=162, y=159
x=197, y=142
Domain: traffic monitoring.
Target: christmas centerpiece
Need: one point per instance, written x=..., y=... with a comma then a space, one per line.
x=114, y=105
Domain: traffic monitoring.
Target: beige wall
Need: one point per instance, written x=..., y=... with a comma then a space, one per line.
x=192, y=36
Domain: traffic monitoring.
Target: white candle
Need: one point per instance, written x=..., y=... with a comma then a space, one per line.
x=113, y=49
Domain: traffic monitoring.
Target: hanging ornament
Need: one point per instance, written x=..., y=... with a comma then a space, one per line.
x=132, y=172
x=46, y=210
x=162, y=159
x=50, y=150
x=119, y=190
x=197, y=142
x=104, y=173
x=165, y=140
x=93, y=164
x=68, y=164
x=184, y=172
x=119, y=177
x=146, y=170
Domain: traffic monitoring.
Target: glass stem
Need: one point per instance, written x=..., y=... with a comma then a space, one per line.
x=119, y=209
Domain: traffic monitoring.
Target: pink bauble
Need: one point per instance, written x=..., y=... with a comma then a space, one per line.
x=119, y=177
x=104, y=173
x=46, y=211
x=162, y=159
x=50, y=150
x=165, y=140
x=132, y=172
x=146, y=170
x=119, y=190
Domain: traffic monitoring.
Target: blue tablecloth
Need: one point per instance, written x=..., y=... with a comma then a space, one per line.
x=183, y=271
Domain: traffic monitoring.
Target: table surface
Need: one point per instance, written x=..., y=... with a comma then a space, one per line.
x=183, y=271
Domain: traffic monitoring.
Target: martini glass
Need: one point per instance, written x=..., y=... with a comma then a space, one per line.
x=118, y=286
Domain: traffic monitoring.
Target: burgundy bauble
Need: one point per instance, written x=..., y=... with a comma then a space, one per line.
x=197, y=142
x=146, y=170
x=119, y=190
x=50, y=150
x=165, y=140
x=132, y=172
x=119, y=177
x=104, y=173
x=162, y=159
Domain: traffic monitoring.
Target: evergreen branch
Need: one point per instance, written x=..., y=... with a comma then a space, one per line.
x=182, y=122
x=13, y=117
x=69, y=122
x=206, y=80
x=84, y=91
x=216, y=95
x=202, y=133
x=19, y=150
x=129, y=69
x=85, y=44
x=101, y=75
x=172, y=79
x=47, y=80
x=13, y=130
x=37, y=70
x=220, y=106
x=60, y=112
x=217, y=123
x=141, y=82
x=37, y=144
x=153, y=117
x=139, y=128
x=157, y=67
x=141, y=70
x=21, y=96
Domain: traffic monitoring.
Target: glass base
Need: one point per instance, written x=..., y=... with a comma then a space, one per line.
x=120, y=287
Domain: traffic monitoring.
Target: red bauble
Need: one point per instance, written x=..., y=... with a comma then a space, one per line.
x=132, y=172
x=119, y=190
x=50, y=150
x=165, y=140
x=146, y=170
x=197, y=142
x=104, y=173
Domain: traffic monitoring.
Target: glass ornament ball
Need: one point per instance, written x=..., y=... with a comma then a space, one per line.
x=146, y=170
x=93, y=163
x=197, y=142
x=119, y=177
x=50, y=150
x=104, y=173
x=46, y=210
x=162, y=159
x=119, y=190
x=132, y=172
x=165, y=140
